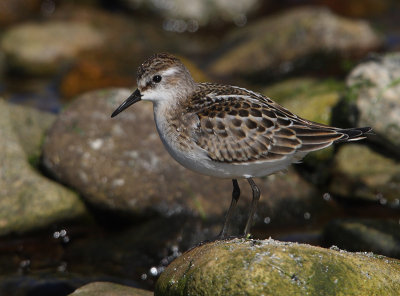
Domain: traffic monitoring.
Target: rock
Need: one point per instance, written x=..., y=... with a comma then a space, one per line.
x=372, y=99
x=180, y=17
x=41, y=48
x=284, y=42
x=360, y=173
x=59, y=283
x=109, y=289
x=378, y=236
x=12, y=11
x=121, y=165
x=28, y=200
x=275, y=268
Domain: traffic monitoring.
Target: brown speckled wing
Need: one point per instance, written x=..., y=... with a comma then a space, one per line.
x=238, y=126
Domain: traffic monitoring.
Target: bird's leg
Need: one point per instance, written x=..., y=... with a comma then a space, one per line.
x=256, y=197
x=235, y=198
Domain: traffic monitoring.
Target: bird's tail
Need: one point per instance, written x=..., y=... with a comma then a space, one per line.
x=353, y=134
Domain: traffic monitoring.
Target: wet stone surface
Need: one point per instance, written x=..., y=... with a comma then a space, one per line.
x=275, y=268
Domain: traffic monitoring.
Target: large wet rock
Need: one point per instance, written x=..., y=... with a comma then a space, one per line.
x=372, y=99
x=284, y=42
x=42, y=48
x=28, y=200
x=109, y=289
x=121, y=165
x=361, y=173
x=274, y=268
x=378, y=236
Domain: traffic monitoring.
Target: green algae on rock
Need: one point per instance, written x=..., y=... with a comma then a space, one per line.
x=372, y=99
x=28, y=200
x=253, y=267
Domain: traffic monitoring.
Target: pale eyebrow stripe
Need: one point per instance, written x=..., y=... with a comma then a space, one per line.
x=169, y=71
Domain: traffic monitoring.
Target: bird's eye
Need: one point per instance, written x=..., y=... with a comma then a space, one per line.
x=157, y=78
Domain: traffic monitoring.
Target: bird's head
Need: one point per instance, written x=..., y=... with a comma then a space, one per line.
x=160, y=79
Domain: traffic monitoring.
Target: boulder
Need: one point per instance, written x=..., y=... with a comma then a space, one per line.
x=360, y=173
x=109, y=289
x=372, y=99
x=42, y=48
x=283, y=43
x=28, y=200
x=268, y=267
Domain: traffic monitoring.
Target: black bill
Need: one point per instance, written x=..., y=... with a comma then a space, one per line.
x=132, y=99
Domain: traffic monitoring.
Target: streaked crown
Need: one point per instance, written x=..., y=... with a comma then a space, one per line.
x=164, y=77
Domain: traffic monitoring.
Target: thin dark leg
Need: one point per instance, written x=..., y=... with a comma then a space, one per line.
x=235, y=198
x=254, y=202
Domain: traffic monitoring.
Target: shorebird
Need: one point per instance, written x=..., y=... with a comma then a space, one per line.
x=227, y=131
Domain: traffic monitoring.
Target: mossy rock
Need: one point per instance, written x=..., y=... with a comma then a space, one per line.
x=28, y=200
x=253, y=267
x=361, y=173
x=372, y=99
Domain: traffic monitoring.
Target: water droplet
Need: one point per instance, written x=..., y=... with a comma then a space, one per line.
x=153, y=271
x=267, y=220
x=62, y=267
x=326, y=196
x=307, y=215
x=56, y=234
x=143, y=277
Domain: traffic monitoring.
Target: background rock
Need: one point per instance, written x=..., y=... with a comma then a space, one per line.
x=109, y=289
x=180, y=17
x=288, y=38
x=372, y=99
x=361, y=173
x=274, y=268
x=41, y=48
x=378, y=236
x=28, y=200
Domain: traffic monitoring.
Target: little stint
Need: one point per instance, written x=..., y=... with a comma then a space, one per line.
x=227, y=131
